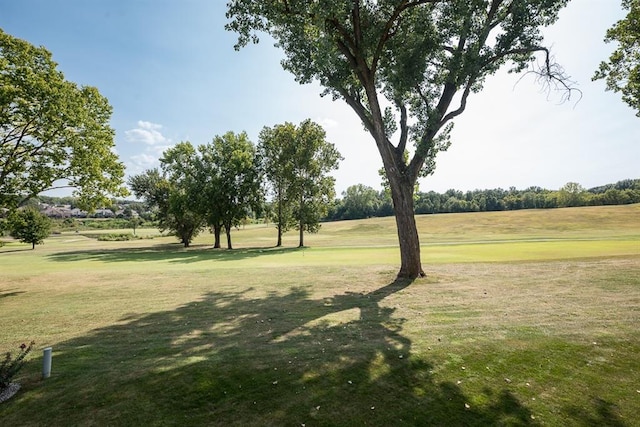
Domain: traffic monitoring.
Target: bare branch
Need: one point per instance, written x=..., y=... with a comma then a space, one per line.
x=553, y=79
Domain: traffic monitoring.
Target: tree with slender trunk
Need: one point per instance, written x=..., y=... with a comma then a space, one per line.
x=275, y=148
x=313, y=157
x=406, y=67
x=296, y=161
x=238, y=183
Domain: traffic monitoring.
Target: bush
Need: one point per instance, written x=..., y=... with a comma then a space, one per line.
x=116, y=237
x=9, y=367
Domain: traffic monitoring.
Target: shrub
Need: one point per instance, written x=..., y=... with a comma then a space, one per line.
x=116, y=237
x=9, y=367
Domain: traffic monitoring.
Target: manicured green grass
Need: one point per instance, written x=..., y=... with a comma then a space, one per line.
x=525, y=318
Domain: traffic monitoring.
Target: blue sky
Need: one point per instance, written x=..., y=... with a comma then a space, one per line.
x=170, y=72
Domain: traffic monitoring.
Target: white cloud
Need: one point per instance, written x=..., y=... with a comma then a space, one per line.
x=327, y=122
x=141, y=162
x=156, y=143
x=147, y=133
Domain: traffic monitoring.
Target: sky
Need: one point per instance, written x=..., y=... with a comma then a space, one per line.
x=169, y=70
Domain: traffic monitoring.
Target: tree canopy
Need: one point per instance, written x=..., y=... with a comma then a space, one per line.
x=406, y=67
x=168, y=195
x=29, y=226
x=217, y=184
x=296, y=161
x=236, y=185
x=52, y=132
x=622, y=71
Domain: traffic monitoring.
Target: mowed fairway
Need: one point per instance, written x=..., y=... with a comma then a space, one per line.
x=525, y=318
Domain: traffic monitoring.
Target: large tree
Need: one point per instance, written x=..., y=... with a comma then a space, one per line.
x=406, y=67
x=622, y=71
x=52, y=132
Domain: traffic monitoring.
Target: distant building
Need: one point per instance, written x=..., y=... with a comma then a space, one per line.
x=104, y=213
x=56, y=212
x=78, y=213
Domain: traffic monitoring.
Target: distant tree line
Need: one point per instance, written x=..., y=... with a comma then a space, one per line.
x=361, y=201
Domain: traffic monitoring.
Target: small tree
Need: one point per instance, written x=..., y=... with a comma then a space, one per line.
x=571, y=194
x=29, y=226
x=134, y=222
x=360, y=201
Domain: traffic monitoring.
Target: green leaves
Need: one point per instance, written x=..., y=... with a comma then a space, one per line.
x=296, y=161
x=52, y=132
x=217, y=184
x=622, y=71
x=424, y=57
x=29, y=226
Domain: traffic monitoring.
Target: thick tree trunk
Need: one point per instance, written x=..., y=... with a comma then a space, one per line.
x=301, y=234
x=411, y=266
x=279, y=242
x=228, y=231
x=217, y=229
x=402, y=196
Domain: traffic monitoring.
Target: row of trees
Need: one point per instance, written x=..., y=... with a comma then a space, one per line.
x=220, y=184
x=361, y=201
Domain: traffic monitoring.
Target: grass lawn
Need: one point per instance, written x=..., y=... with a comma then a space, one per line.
x=525, y=318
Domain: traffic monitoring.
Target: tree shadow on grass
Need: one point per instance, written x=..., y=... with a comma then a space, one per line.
x=235, y=359
x=606, y=414
x=9, y=293
x=169, y=253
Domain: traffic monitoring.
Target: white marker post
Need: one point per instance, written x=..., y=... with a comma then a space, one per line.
x=46, y=363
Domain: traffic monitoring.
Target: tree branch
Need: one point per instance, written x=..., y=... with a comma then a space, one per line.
x=404, y=129
x=462, y=106
x=387, y=34
x=358, y=108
